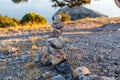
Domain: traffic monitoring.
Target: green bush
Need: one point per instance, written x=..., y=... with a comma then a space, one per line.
x=31, y=18
x=65, y=17
x=6, y=21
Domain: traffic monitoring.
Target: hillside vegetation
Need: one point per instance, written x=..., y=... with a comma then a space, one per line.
x=6, y=21
x=29, y=21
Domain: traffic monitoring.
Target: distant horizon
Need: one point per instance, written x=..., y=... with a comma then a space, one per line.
x=11, y=9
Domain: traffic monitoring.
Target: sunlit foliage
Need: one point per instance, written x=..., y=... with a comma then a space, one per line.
x=6, y=21
x=33, y=18
x=65, y=17
x=30, y=18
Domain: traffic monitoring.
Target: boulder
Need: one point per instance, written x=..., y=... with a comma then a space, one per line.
x=80, y=12
x=25, y=57
x=7, y=78
x=2, y=58
x=57, y=43
x=56, y=33
x=81, y=71
x=111, y=27
x=56, y=56
x=56, y=60
x=46, y=75
x=64, y=67
x=85, y=78
x=104, y=78
x=58, y=77
x=68, y=77
x=44, y=60
x=38, y=57
x=107, y=78
x=58, y=25
x=14, y=50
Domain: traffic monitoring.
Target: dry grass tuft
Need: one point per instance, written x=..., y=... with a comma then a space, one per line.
x=28, y=66
x=3, y=68
x=33, y=54
x=72, y=47
x=66, y=40
x=33, y=73
x=34, y=47
x=28, y=27
x=88, y=23
x=5, y=48
x=16, y=79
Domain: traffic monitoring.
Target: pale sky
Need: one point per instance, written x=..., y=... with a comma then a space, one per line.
x=43, y=7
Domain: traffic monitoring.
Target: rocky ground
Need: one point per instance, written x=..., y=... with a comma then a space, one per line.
x=97, y=48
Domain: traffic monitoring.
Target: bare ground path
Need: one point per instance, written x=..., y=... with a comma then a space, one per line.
x=97, y=48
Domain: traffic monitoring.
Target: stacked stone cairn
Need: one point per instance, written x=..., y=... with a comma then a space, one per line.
x=54, y=56
x=57, y=66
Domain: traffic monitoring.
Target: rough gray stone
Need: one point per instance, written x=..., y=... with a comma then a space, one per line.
x=58, y=77
x=80, y=12
x=85, y=78
x=81, y=71
x=107, y=78
x=64, y=67
x=25, y=57
x=56, y=43
x=7, y=78
x=13, y=50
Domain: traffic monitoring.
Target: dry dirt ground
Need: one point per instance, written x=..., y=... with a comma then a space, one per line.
x=94, y=43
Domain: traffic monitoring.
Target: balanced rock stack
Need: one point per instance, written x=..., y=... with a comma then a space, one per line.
x=55, y=63
x=54, y=56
